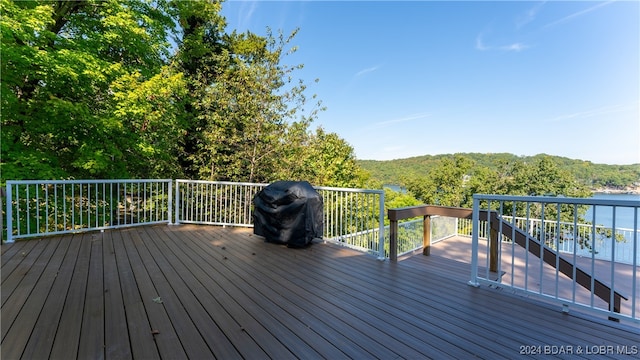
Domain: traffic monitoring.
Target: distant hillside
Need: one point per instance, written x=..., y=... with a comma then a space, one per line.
x=596, y=176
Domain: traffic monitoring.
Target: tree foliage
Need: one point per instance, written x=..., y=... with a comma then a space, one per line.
x=594, y=176
x=107, y=89
x=454, y=180
x=60, y=61
x=444, y=184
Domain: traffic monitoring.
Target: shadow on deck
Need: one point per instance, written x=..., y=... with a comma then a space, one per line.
x=209, y=292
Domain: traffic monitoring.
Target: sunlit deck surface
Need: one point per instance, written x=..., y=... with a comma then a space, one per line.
x=204, y=292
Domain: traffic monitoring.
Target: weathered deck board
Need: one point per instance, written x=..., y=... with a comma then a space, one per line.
x=67, y=339
x=225, y=293
x=137, y=323
x=39, y=345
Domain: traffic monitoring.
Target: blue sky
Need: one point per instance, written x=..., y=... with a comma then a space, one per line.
x=403, y=79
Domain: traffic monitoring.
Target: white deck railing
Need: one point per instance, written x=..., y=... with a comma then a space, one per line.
x=562, y=247
x=352, y=217
x=42, y=208
x=215, y=202
x=354, y=211
x=50, y=207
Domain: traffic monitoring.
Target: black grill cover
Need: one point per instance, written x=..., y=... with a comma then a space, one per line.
x=288, y=212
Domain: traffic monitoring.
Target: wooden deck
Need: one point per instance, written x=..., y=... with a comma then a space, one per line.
x=201, y=292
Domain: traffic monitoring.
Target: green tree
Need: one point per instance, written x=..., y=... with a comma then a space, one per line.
x=94, y=89
x=255, y=125
x=201, y=45
x=445, y=183
x=396, y=199
x=453, y=181
x=329, y=161
x=245, y=115
x=59, y=60
x=541, y=177
x=595, y=176
x=146, y=120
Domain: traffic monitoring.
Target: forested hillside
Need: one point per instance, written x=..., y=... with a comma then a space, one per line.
x=156, y=89
x=594, y=176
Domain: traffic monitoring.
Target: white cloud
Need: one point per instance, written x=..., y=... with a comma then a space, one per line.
x=515, y=47
x=530, y=15
x=245, y=13
x=579, y=13
x=367, y=70
x=401, y=120
x=481, y=46
x=591, y=113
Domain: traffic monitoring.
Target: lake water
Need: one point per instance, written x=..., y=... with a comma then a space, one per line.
x=626, y=221
x=604, y=214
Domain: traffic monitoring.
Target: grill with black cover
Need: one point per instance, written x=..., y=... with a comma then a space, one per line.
x=288, y=212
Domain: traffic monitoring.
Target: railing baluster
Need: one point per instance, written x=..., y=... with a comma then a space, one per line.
x=64, y=206
x=593, y=240
x=474, y=241
x=513, y=243
x=28, y=206
x=613, y=260
x=575, y=253
x=634, y=283
x=556, y=239
x=9, y=211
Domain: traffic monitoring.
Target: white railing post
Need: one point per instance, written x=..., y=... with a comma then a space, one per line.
x=170, y=204
x=474, y=241
x=1, y=218
x=634, y=281
x=176, y=204
x=456, y=226
x=381, y=227
x=9, y=212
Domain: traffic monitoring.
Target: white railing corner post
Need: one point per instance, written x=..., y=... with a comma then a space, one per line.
x=9, y=212
x=381, y=228
x=170, y=204
x=474, y=241
x=176, y=204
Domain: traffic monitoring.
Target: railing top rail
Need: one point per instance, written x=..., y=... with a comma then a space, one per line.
x=428, y=210
x=107, y=181
x=220, y=182
x=328, y=188
x=365, y=191
x=104, y=181
x=560, y=200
